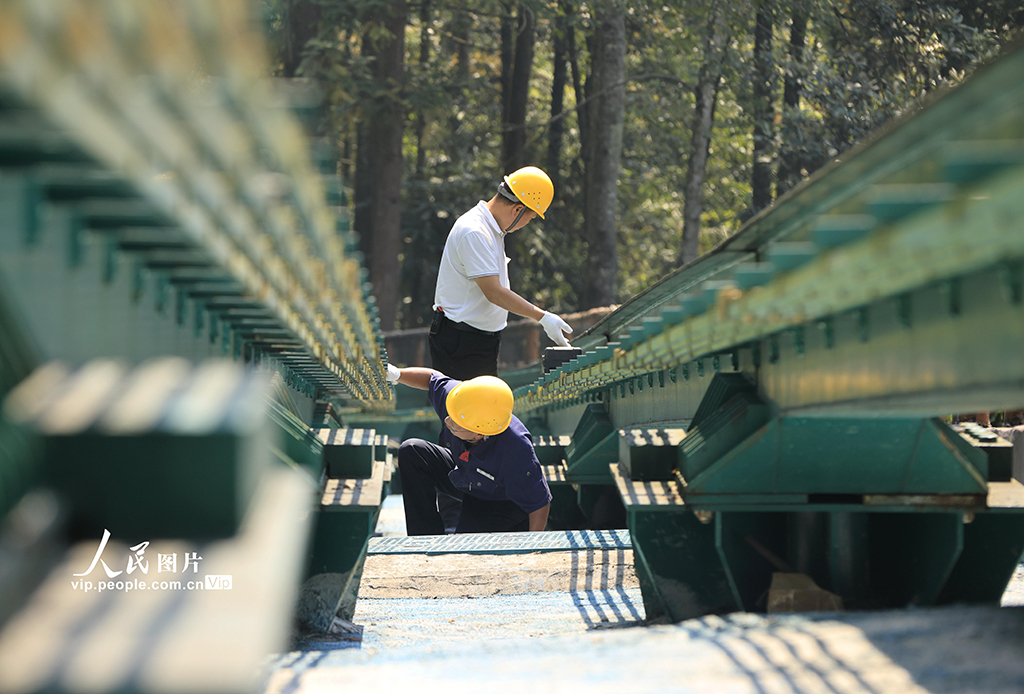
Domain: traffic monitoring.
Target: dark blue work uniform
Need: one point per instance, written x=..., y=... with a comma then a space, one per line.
x=498, y=479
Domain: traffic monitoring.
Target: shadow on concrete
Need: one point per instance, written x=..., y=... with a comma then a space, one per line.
x=599, y=592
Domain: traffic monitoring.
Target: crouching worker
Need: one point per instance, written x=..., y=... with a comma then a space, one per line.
x=486, y=459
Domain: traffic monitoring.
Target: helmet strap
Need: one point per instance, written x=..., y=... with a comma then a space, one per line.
x=507, y=193
x=516, y=220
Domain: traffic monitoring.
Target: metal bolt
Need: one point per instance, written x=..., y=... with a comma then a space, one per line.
x=76, y=230
x=200, y=319
x=138, y=281
x=951, y=289
x=704, y=517
x=905, y=308
x=33, y=197
x=829, y=331
x=180, y=307
x=1013, y=281
x=109, y=259
x=163, y=288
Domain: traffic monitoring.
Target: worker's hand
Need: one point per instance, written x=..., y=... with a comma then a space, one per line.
x=394, y=373
x=554, y=326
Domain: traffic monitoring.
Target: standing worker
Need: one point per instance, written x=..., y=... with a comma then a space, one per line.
x=472, y=299
x=486, y=459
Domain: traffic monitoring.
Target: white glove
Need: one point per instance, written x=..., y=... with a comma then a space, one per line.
x=394, y=373
x=553, y=326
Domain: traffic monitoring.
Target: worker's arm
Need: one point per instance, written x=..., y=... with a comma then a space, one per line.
x=539, y=518
x=507, y=299
x=415, y=376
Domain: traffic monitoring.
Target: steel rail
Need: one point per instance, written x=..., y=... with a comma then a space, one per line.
x=123, y=82
x=935, y=199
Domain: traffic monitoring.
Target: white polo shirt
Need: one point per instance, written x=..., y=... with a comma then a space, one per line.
x=475, y=248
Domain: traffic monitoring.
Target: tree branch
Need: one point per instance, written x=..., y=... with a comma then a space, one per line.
x=628, y=80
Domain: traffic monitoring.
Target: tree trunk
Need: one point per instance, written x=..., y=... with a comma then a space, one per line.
x=362, y=183
x=508, y=47
x=789, y=165
x=559, y=80
x=459, y=29
x=577, y=85
x=345, y=164
x=605, y=121
x=519, y=93
x=362, y=190
x=303, y=19
x=421, y=120
x=764, y=110
x=705, y=97
x=384, y=132
x=461, y=26
x=794, y=77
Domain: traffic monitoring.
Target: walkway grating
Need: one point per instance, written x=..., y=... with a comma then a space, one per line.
x=503, y=543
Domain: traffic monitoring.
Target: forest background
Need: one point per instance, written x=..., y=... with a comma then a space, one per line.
x=664, y=125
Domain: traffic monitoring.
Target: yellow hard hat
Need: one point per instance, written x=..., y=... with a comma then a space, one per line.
x=482, y=404
x=533, y=188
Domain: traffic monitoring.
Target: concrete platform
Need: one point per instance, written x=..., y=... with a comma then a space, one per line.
x=572, y=620
x=942, y=650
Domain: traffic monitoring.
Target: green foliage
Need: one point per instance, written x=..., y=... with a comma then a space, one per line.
x=871, y=60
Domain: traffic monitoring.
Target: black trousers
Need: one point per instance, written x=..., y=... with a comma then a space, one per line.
x=424, y=468
x=462, y=354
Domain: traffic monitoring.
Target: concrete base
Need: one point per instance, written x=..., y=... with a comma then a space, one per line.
x=909, y=652
x=516, y=623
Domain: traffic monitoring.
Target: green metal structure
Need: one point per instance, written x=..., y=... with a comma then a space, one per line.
x=183, y=314
x=805, y=365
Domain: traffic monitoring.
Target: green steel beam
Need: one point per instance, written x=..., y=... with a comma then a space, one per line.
x=118, y=136
x=960, y=136
x=164, y=450
x=903, y=294
x=817, y=455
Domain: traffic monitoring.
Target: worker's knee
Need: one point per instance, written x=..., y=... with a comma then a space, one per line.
x=410, y=454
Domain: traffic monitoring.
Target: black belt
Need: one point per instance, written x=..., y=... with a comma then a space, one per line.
x=465, y=327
